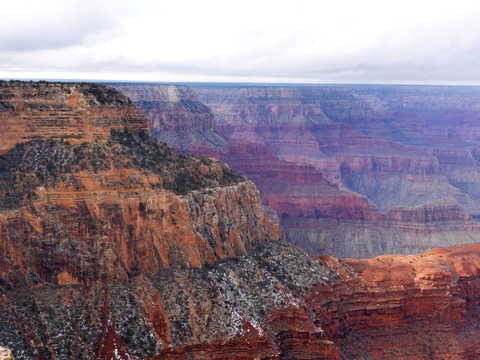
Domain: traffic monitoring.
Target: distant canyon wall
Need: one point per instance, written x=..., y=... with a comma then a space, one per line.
x=177, y=117
x=351, y=171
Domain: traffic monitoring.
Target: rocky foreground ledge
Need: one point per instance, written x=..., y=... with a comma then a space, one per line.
x=276, y=302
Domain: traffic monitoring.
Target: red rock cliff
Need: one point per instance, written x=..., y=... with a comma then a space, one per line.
x=276, y=302
x=412, y=307
x=116, y=206
x=73, y=112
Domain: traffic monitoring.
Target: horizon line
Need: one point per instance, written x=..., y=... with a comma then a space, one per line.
x=236, y=83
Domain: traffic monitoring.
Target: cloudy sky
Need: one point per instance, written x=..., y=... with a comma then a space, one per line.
x=333, y=41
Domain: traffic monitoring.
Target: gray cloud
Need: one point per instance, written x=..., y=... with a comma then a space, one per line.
x=315, y=41
x=58, y=24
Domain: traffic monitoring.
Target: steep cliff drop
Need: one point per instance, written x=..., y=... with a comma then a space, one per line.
x=177, y=118
x=111, y=193
x=115, y=247
x=351, y=171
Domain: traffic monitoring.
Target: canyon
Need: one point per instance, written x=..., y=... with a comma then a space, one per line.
x=115, y=246
x=349, y=170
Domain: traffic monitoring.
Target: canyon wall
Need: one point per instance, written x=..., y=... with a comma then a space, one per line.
x=114, y=205
x=407, y=307
x=177, y=118
x=352, y=171
x=122, y=248
x=74, y=112
x=357, y=162
x=275, y=302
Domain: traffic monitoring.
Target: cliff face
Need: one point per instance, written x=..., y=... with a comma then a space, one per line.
x=87, y=197
x=99, y=234
x=117, y=206
x=430, y=296
x=176, y=117
x=73, y=112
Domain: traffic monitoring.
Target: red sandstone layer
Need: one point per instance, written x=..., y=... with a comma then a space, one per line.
x=70, y=111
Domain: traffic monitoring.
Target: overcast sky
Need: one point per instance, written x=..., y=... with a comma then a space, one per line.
x=334, y=41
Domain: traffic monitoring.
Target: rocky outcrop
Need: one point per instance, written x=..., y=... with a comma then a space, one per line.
x=74, y=112
x=275, y=302
x=432, y=297
x=86, y=236
x=117, y=206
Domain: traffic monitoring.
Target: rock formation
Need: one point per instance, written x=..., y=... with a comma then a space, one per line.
x=118, y=247
x=431, y=297
x=346, y=167
x=109, y=207
x=74, y=112
x=177, y=118
x=275, y=302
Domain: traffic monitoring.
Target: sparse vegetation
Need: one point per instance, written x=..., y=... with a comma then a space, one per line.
x=180, y=173
x=48, y=162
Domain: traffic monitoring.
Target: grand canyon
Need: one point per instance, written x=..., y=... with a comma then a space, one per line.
x=350, y=171
x=113, y=245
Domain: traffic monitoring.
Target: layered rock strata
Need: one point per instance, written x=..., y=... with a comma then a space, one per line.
x=74, y=112
x=122, y=248
x=275, y=302
x=117, y=206
x=177, y=118
x=345, y=167
x=429, y=308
